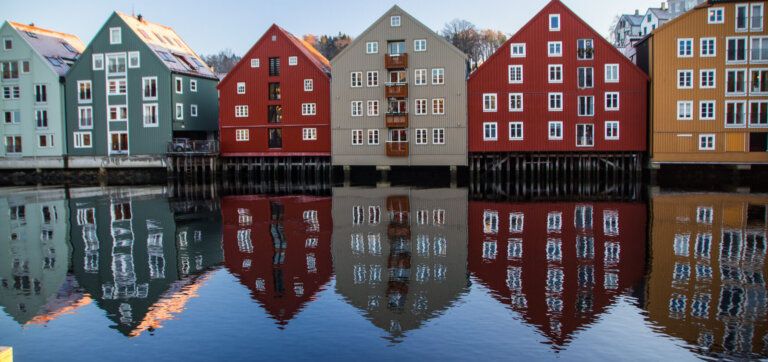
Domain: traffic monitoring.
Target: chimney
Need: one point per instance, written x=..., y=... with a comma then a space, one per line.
x=637, y=12
x=664, y=6
x=140, y=17
x=32, y=24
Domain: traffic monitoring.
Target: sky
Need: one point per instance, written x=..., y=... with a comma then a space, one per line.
x=211, y=26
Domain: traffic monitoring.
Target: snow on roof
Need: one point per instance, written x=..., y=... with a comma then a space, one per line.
x=59, y=49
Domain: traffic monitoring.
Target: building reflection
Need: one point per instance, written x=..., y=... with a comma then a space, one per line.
x=707, y=279
x=133, y=260
x=400, y=254
x=279, y=248
x=559, y=265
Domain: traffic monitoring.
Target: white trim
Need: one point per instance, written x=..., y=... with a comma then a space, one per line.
x=368, y=78
x=78, y=139
x=80, y=109
x=745, y=113
x=143, y=85
x=372, y=47
x=722, y=16
x=714, y=142
x=714, y=110
x=509, y=131
x=714, y=47
x=309, y=85
x=144, y=115
x=309, y=134
x=241, y=111
x=395, y=21
x=728, y=72
x=702, y=78
x=178, y=85
x=549, y=73
x=736, y=18
x=193, y=110
x=115, y=35
x=592, y=125
x=683, y=118
x=491, y=97
x=559, y=22
x=762, y=40
x=618, y=101
x=293, y=61
x=238, y=87
x=416, y=48
x=691, y=80
x=549, y=101
x=422, y=136
x=441, y=101
x=90, y=86
x=618, y=131
x=513, y=70
x=559, y=45
x=618, y=73
x=255, y=63
x=549, y=129
x=495, y=129
x=516, y=96
x=193, y=85
x=746, y=49
x=308, y=109
x=517, y=50
x=435, y=133
x=679, y=41
x=97, y=58
x=242, y=135
x=763, y=110
x=176, y=115
x=138, y=60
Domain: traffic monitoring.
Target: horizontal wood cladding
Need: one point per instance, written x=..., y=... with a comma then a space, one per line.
x=493, y=77
x=276, y=43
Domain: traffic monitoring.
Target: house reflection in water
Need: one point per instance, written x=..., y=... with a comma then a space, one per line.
x=130, y=258
x=279, y=248
x=34, y=257
x=559, y=265
x=707, y=280
x=400, y=254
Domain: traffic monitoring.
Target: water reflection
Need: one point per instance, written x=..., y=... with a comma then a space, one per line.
x=399, y=254
x=707, y=278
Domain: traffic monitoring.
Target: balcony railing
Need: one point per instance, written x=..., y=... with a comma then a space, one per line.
x=396, y=90
x=399, y=61
x=396, y=120
x=397, y=149
x=183, y=146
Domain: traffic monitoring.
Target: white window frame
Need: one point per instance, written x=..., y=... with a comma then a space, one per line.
x=438, y=76
x=309, y=85
x=373, y=134
x=395, y=21
x=438, y=102
x=193, y=85
x=356, y=79
x=131, y=56
x=680, y=48
x=90, y=86
x=255, y=63
x=144, y=81
x=372, y=108
x=372, y=78
x=79, y=137
x=242, y=135
x=558, y=46
x=717, y=10
x=714, y=110
x=713, y=48
x=745, y=50
x=357, y=137
x=752, y=16
x=144, y=108
x=5, y=44
x=490, y=98
x=728, y=73
x=178, y=85
x=746, y=114
x=513, y=71
x=241, y=87
x=117, y=109
x=559, y=23
x=293, y=61
x=514, y=125
x=578, y=102
x=607, y=73
x=48, y=140
x=115, y=35
x=417, y=47
x=422, y=135
x=576, y=134
x=97, y=59
x=763, y=40
x=517, y=50
x=241, y=111
x=609, y=107
x=512, y=102
x=308, y=109
x=702, y=78
x=438, y=136
x=420, y=107
x=558, y=96
x=763, y=109
x=549, y=74
x=372, y=47
x=680, y=115
x=609, y=137
x=309, y=134
x=356, y=108
x=179, y=116
x=491, y=126
x=80, y=110
x=420, y=77
x=559, y=126
x=707, y=148
x=193, y=110
x=681, y=72
x=117, y=82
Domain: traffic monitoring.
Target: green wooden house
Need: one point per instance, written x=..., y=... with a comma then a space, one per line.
x=33, y=63
x=136, y=88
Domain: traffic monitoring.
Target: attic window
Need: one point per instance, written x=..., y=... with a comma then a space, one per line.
x=115, y=36
x=183, y=60
x=159, y=37
x=55, y=61
x=293, y=60
x=255, y=63
x=169, y=40
x=7, y=44
x=69, y=48
x=31, y=34
x=394, y=21
x=274, y=37
x=197, y=62
x=178, y=42
x=554, y=22
x=144, y=34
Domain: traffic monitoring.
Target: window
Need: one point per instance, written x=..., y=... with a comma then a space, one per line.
x=12, y=144
x=151, y=115
x=372, y=78
x=242, y=135
x=41, y=93
x=612, y=101
x=758, y=113
x=308, y=109
x=372, y=47
x=275, y=139
x=735, y=113
x=586, y=106
x=556, y=73
x=716, y=16
x=707, y=78
x=240, y=87
x=11, y=92
x=759, y=53
x=98, y=62
x=421, y=136
x=179, y=111
x=133, y=60
x=707, y=110
x=585, y=49
x=149, y=86
x=84, y=91
x=420, y=76
x=12, y=117
x=115, y=36
x=25, y=66
x=293, y=61
x=684, y=110
x=586, y=77
x=438, y=106
x=394, y=20
x=396, y=47
x=742, y=15
x=611, y=130
x=420, y=45
x=684, y=79
x=118, y=113
x=554, y=22
x=309, y=134
x=585, y=135
x=357, y=79
x=736, y=50
x=515, y=74
x=490, y=131
x=515, y=102
x=45, y=141
x=309, y=85
x=7, y=44
x=117, y=87
x=611, y=73
x=85, y=117
x=555, y=102
x=489, y=102
x=193, y=110
x=274, y=67
x=555, y=130
x=758, y=81
x=41, y=118
x=357, y=137
x=421, y=107
x=241, y=111
x=438, y=76
x=10, y=70
x=193, y=85
x=708, y=47
x=82, y=139
x=255, y=63
x=684, y=48
x=116, y=64
x=357, y=108
x=515, y=131
x=517, y=50
x=707, y=142
x=438, y=136
x=179, y=85
x=373, y=137
x=373, y=108
x=735, y=81
x=555, y=49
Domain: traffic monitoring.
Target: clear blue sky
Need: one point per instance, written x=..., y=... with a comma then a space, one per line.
x=209, y=26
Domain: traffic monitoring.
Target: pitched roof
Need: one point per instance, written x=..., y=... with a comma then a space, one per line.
x=661, y=13
x=633, y=19
x=59, y=49
x=169, y=47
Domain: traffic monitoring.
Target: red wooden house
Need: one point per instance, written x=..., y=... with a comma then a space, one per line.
x=276, y=101
x=557, y=86
x=559, y=265
x=279, y=248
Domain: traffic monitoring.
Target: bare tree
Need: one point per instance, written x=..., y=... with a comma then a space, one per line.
x=329, y=45
x=222, y=62
x=490, y=41
x=463, y=35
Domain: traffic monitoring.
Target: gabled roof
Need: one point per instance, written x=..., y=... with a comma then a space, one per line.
x=660, y=13
x=168, y=46
x=59, y=50
x=669, y=23
x=634, y=20
x=401, y=12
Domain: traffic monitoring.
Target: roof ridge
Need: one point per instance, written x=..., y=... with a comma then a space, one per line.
x=26, y=27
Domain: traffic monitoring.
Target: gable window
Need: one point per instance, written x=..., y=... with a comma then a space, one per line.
x=555, y=130
x=585, y=49
x=707, y=78
x=735, y=114
x=98, y=61
x=134, y=60
x=586, y=77
x=193, y=85
x=438, y=76
x=242, y=135
x=396, y=47
x=707, y=110
x=293, y=61
x=7, y=44
x=515, y=74
x=555, y=102
x=684, y=48
x=150, y=115
x=736, y=50
x=309, y=134
x=149, y=86
x=357, y=79
x=116, y=64
x=611, y=101
x=611, y=73
x=555, y=49
x=684, y=79
x=515, y=102
x=372, y=78
x=41, y=93
x=420, y=45
x=372, y=47
x=517, y=50
x=684, y=110
x=612, y=130
x=585, y=135
x=373, y=108
x=240, y=87
x=394, y=21
x=554, y=22
x=84, y=91
x=759, y=49
x=735, y=81
x=179, y=111
x=241, y=111
x=489, y=102
x=706, y=142
x=255, y=63
x=515, y=131
x=309, y=85
x=117, y=87
x=490, y=131
x=716, y=16
x=586, y=106
x=85, y=117
x=274, y=67
x=708, y=47
x=115, y=36
x=556, y=73
x=179, y=85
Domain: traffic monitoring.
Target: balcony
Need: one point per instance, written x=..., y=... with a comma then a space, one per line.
x=185, y=146
x=397, y=149
x=399, y=61
x=396, y=90
x=396, y=120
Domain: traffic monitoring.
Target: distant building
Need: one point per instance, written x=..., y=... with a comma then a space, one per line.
x=627, y=29
x=34, y=62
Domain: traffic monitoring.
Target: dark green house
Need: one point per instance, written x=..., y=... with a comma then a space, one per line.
x=136, y=88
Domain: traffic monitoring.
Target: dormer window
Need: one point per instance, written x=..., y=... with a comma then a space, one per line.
x=394, y=21
x=115, y=36
x=554, y=22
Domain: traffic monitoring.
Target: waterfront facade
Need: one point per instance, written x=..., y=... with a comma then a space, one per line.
x=137, y=86
x=399, y=97
x=708, y=95
x=33, y=61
